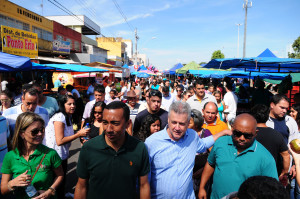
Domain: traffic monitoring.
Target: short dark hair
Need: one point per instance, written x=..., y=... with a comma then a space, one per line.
x=60, y=88
x=210, y=85
x=260, y=112
x=31, y=91
x=153, y=92
x=69, y=87
x=99, y=88
x=119, y=105
x=165, y=89
x=261, y=187
x=114, y=91
x=61, y=105
x=199, y=82
x=26, y=87
x=209, y=102
x=277, y=98
x=191, y=88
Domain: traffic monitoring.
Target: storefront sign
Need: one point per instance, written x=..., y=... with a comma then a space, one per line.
x=19, y=42
x=99, y=78
x=61, y=47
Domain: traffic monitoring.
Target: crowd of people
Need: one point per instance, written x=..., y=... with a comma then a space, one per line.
x=152, y=138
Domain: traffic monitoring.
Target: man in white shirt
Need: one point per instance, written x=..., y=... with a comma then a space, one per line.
x=90, y=90
x=200, y=98
x=123, y=92
x=167, y=98
x=29, y=104
x=230, y=100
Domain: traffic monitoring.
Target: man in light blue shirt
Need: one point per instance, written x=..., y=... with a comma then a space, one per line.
x=172, y=154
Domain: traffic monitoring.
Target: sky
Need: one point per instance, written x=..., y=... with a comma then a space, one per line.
x=173, y=31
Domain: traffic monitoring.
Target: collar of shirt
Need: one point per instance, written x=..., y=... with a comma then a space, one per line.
x=212, y=124
x=251, y=148
x=127, y=144
x=197, y=99
x=38, y=151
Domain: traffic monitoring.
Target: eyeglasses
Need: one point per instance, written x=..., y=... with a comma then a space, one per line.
x=95, y=112
x=238, y=134
x=34, y=132
x=179, y=90
x=4, y=100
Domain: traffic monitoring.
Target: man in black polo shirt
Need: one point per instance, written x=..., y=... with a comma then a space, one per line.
x=271, y=139
x=112, y=162
x=154, y=104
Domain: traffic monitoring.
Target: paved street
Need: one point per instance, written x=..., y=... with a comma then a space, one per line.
x=72, y=162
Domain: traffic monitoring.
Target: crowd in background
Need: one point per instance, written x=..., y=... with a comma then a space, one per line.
x=36, y=132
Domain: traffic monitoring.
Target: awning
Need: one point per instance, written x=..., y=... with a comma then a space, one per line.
x=75, y=68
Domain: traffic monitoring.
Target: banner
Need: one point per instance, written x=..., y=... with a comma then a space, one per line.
x=19, y=42
x=61, y=47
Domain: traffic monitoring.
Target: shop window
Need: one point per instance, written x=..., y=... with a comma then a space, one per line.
x=38, y=31
x=69, y=40
x=77, y=46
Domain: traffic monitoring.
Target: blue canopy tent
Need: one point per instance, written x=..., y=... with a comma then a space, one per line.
x=125, y=66
x=142, y=67
x=172, y=71
x=267, y=53
x=258, y=64
x=10, y=63
x=75, y=68
x=236, y=74
x=142, y=75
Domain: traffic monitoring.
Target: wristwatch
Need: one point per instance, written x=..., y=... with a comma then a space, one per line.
x=52, y=191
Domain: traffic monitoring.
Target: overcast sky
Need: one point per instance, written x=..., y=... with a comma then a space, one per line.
x=189, y=30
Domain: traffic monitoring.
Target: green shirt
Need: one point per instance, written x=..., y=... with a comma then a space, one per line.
x=112, y=174
x=232, y=169
x=15, y=164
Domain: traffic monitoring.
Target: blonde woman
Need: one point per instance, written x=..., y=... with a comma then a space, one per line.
x=29, y=162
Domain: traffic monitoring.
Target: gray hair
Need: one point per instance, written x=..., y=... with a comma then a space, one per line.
x=180, y=107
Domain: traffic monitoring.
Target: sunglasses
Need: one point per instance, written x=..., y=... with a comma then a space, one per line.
x=34, y=132
x=95, y=112
x=4, y=100
x=155, y=93
x=179, y=90
x=238, y=134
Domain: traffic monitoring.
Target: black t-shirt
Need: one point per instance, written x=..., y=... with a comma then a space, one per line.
x=94, y=131
x=281, y=127
x=271, y=140
x=162, y=114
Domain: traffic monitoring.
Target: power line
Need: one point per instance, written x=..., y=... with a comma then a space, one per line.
x=123, y=15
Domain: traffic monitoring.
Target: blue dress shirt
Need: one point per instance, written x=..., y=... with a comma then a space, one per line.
x=172, y=163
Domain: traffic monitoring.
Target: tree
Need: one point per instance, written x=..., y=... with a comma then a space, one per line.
x=296, y=48
x=202, y=63
x=217, y=55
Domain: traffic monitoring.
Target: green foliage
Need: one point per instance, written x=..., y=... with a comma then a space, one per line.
x=202, y=63
x=217, y=55
x=296, y=48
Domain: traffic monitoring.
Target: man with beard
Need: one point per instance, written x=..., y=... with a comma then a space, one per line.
x=234, y=159
x=132, y=104
x=113, y=161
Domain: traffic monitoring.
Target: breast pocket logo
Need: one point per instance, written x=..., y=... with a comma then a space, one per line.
x=130, y=163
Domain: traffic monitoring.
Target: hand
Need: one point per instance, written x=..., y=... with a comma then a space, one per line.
x=43, y=194
x=22, y=180
x=227, y=132
x=84, y=132
x=293, y=171
x=202, y=193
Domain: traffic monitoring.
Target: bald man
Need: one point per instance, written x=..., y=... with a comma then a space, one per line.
x=235, y=158
x=211, y=121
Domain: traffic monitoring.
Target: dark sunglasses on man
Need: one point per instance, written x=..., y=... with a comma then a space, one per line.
x=238, y=134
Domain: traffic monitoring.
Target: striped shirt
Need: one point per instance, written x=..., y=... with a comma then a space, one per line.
x=12, y=113
x=4, y=134
x=172, y=163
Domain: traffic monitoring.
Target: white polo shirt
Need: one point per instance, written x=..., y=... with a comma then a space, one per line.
x=196, y=104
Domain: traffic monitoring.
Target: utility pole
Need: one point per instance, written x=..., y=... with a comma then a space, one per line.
x=42, y=6
x=246, y=5
x=136, y=39
x=238, y=43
